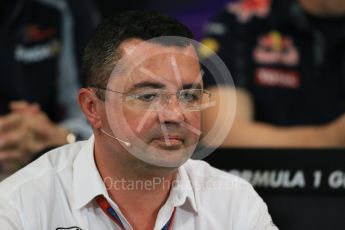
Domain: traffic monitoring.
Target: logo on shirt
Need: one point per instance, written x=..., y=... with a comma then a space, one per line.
x=36, y=53
x=268, y=77
x=274, y=48
x=70, y=228
x=246, y=9
x=34, y=33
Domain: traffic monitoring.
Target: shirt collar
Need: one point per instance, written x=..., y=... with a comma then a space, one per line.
x=87, y=182
x=182, y=190
x=181, y=195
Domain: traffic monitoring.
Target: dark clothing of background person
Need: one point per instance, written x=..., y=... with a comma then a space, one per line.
x=40, y=54
x=41, y=43
x=291, y=63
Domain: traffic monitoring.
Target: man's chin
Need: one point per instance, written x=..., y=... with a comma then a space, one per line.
x=168, y=156
x=163, y=154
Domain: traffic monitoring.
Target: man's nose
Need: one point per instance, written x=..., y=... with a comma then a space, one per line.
x=171, y=112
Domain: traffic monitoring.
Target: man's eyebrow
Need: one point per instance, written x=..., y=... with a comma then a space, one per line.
x=147, y=84
x=192, y=86
x=156, y=85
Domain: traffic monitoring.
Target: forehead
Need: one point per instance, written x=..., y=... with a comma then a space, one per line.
x=171, y=66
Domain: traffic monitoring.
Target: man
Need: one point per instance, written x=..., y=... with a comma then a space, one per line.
x=287, y=61
x=143, y=96
x=41, y=42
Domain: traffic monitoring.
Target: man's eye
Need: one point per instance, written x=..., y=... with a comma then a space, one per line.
x=147, y=97
x=189, y=96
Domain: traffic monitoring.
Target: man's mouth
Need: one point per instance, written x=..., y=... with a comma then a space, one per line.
x=170, y=140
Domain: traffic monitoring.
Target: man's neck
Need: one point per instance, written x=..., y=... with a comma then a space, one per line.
x=139, y=189
x=324, y=8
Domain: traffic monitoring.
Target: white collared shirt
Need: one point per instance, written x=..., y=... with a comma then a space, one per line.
x=57, y=191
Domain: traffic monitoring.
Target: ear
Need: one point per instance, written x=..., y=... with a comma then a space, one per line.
x=91, y=107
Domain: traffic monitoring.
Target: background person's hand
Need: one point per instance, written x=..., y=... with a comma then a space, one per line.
x=24, y=132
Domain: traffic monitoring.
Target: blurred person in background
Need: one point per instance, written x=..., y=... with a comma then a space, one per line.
x=41, y=42
x=287, y=59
